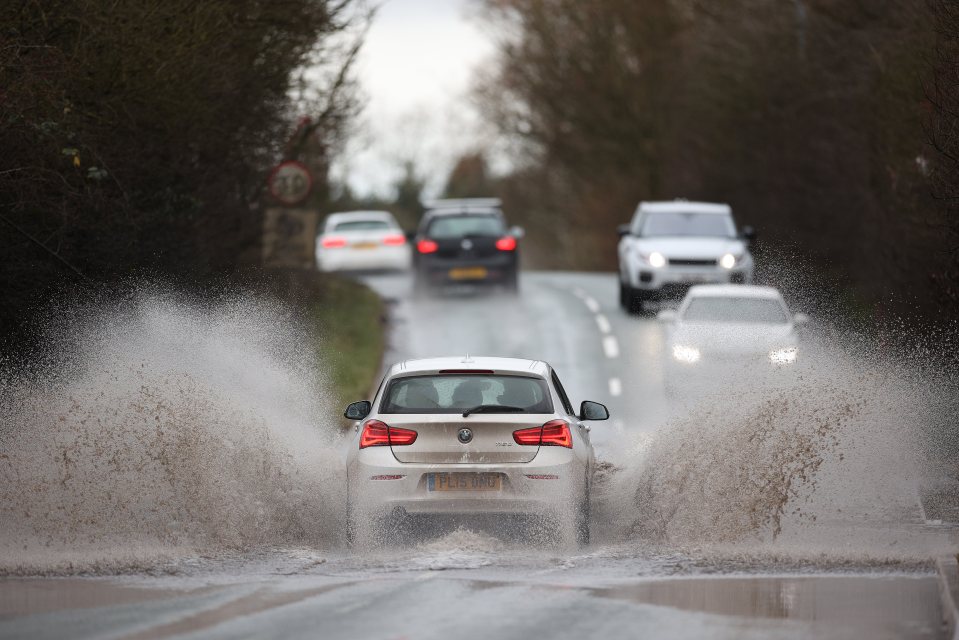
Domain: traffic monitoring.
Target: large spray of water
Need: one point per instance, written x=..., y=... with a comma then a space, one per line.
x=162, y=428
x=832, y=457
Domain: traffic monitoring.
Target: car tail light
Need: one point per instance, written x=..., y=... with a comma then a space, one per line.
x=380, y=434
x=333, y=242
x=506, y=243
x=427, y=246
x=554, y=433
x=394, y=241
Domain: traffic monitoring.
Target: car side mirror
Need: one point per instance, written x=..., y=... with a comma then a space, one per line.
x=517, y=232
x=590, y=410
x=623, y=230
x=667, y=315
x=748, y=233
x=800, y=319
x=358, y=410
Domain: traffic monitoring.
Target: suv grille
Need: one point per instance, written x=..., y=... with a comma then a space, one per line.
x=682, y=262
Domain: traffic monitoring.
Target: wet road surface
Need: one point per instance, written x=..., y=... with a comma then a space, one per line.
x=470, y=585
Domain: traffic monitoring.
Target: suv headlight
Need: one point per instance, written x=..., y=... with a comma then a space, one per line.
x=685, y=353
x=655, y=259
x=728, y=261
x=786, y=355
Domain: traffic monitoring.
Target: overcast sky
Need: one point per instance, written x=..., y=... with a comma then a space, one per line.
x=416, y=69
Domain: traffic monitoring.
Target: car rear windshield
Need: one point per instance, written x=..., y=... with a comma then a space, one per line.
x=688, y=224
x=363, y=225
x=735, y=310
x=453, y=393
x=459, y=226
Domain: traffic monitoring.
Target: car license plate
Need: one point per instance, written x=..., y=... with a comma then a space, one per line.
x=464, y=481
x=468, y=273
x=365, y=245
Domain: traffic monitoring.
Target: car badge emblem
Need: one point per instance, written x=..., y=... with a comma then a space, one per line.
x=465, y=436
x=467, y=244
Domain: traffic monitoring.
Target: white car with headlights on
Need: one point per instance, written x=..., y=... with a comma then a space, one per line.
x=723, y=333
x=362, y=241
x=670, y=246
x=470, y=439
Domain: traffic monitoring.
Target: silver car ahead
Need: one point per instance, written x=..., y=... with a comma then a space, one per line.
x=470, y=437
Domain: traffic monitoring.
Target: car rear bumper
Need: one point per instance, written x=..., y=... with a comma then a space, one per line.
x=546, y=487
x=349, y=259
x=497, y=269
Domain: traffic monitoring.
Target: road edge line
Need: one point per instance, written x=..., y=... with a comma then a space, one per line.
x=948, y=569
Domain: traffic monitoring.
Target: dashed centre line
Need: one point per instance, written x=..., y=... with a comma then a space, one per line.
x=615, y=387
x=611, y=346
x=603, y=323
x=592, y=304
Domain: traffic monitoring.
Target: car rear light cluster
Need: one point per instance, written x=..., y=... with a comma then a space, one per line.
x=394, y=241
x=427, y=246
x=333, y=242
x=554, y=433
x=506, y=243
x=380, y=434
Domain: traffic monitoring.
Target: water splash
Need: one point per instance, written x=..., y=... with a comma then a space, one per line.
x=162, y=428
x=830, y=455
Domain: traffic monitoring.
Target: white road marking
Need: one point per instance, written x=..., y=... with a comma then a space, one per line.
x=611, y=346
x=615, y=387
x=592, y=304
x=579, y=293
x=603, y=323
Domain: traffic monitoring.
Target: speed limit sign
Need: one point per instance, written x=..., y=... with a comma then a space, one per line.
x=290, y=182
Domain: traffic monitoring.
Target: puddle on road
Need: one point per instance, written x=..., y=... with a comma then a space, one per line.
x=26, y=596
x=901, y=606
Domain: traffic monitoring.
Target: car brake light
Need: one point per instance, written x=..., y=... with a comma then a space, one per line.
x=394, y=241
x=427, y=246
x=332, y=242
x=506, y=243
x=554, y=433
x=380, y=434
x=485, y=372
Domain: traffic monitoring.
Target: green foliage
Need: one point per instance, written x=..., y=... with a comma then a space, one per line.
x=137, y=134
x=351, y=337
x=806, y=116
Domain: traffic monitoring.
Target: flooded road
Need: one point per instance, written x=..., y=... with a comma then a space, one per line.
x=853, y=557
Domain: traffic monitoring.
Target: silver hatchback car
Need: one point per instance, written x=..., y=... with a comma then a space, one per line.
x=466, y=437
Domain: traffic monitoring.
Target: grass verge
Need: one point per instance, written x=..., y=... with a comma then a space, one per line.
x=350, y=337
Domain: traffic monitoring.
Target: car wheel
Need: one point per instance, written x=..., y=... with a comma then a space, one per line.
x=635, y=298
x=623, y=295
x=512, y=283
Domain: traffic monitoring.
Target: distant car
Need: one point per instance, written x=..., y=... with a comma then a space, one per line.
x=466, y=242
x=729, y=332
x=362, y=241
x=470, y=437
x=670, y=246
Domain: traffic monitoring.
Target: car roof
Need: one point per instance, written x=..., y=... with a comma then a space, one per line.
x=684, y=206
x=516, y=366
x=346, y=216
x=734, y=291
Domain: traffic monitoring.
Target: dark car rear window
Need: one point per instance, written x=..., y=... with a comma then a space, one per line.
x=363, y=225
x=449, y=393
x=470, y=225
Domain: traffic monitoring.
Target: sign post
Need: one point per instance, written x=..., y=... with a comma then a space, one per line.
x=289, y=233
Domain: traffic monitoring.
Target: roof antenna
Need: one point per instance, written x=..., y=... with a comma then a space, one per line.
x=467, y=359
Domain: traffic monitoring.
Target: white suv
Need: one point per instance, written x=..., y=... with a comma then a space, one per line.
x=670, y=246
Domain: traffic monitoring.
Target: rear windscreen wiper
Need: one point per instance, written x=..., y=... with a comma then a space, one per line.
x=492, y=408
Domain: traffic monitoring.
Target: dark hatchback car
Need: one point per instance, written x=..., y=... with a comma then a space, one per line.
x=465, y=242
